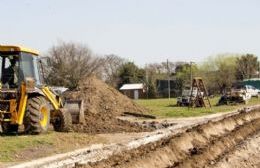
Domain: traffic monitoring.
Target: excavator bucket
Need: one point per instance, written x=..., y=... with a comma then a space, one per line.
x=76, y=109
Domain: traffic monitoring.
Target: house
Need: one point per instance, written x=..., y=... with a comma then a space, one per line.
x=134, y=91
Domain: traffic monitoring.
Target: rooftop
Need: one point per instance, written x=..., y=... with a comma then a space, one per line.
x=10, y=48
x=132, y=86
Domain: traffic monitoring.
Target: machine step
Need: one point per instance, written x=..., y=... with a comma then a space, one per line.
x=5, y=112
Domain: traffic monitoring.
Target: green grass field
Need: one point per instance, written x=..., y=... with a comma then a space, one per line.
x=26, y=147
x=166, y=108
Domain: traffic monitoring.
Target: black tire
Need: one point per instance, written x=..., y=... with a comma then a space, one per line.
x=62, y=121
x=37, y=115
x=178, y=104
x=9, y=129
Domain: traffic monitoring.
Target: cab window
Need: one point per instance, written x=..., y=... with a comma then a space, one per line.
x=9, y=70
x=29, y=66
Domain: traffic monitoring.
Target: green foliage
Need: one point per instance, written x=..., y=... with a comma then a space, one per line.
x=219, y=72
x=152, y=92
x=183, y=74
x=130, y=73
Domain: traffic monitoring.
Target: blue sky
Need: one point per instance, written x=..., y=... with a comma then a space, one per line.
x=143, y=31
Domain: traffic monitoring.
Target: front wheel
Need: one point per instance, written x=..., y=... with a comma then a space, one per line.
x=62, y=120
x=37, y=115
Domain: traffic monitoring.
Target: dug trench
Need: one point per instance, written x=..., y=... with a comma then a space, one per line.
x=199, y=146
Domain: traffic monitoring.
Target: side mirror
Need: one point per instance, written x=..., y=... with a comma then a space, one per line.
x=44, y=60
x=43, y=64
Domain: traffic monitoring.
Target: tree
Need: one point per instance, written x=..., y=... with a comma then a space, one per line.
x=130, y=73
x=163, y=71
x=162, y=68
x=152, y=73
x=71, y=62
x=111, y=69
x=247, y=66
x=151, y=88
x=183, y=74
x=219, y=72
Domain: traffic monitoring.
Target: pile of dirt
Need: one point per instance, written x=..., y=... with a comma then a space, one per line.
x=102, y=98
x=102, y=105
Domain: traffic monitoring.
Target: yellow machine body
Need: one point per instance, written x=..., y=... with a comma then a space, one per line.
x=12, y=48
x=13, y=107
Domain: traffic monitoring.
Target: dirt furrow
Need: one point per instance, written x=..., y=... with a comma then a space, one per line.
x=200, y=146
x=245, y=155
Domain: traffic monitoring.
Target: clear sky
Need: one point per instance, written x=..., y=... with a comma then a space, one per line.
x=143, y=31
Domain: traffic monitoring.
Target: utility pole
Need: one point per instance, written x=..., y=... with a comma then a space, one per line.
x=169, y=83
x=147, y=82
x=191, y=74
x=258, y=69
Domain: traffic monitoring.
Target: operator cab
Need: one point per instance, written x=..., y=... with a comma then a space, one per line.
x=16, y=65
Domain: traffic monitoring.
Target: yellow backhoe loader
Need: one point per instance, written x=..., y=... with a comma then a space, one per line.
x=24, y=98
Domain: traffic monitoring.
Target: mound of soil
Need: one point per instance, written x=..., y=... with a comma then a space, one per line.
x=103, y=104
x=102, y=98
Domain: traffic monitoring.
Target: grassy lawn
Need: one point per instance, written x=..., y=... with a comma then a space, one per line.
x=166, y=108
x=26, y=147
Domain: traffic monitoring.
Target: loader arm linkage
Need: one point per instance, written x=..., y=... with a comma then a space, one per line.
x=75, y=107
x=54, y=99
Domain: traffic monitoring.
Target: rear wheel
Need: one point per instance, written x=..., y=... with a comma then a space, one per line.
x=62, y=120
x=178, y=103
x=37, y=115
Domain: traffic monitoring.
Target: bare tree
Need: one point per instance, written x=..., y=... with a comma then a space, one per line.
x=111, y=69
x=247, y=66
x=70, y=62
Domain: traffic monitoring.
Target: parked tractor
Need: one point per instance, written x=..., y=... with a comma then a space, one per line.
x=236, y=94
